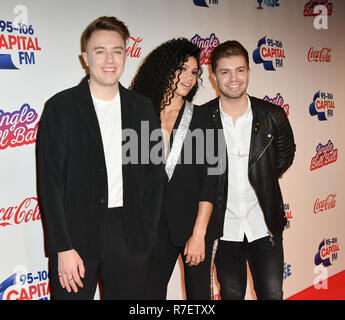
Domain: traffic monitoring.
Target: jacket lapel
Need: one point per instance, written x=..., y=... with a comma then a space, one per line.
x=253, y=150
x=127, y=112
x=87, y=109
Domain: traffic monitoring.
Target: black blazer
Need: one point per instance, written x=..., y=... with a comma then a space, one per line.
x=191, y=182
x=72, y=175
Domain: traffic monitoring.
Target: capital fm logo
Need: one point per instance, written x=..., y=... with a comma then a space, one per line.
x=25, y=285
x=206, y=45
x=268, y=3
x=19, y=44
x=270, y=53
x=279, y=101
x=327, y=252
x=287, y=270
x=24, y=212
x=288, y=215
x=326, y=204
x=19, y=127
x=323, y=105
x=325, y=155
x=133, y=47
x=205, y=3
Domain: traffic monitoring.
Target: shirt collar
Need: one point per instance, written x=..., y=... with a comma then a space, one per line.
x=244, y=115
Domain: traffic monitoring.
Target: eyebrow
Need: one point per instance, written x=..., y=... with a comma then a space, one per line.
x=226, y=69
x=100, y=47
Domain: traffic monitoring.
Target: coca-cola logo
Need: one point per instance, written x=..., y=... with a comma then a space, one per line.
x=133, y=48
x=14, y=127
x=322, y=55
x=26, y=211
x=326, y=204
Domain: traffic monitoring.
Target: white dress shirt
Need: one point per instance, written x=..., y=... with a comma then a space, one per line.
x=243, y=214
x=109, y=119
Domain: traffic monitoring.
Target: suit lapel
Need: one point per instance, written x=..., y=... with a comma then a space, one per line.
x=253, y=150
x=127, y=112
x=87, y=109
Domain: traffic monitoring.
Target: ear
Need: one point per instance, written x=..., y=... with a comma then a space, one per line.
x=214, y=78
x=85, y=57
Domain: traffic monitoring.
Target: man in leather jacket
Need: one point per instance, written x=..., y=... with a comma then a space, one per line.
x=260, y=148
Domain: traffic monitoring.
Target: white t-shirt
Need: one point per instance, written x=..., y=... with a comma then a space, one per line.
x=109, y=119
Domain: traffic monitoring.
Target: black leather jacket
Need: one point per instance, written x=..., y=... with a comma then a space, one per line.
x=272, y=150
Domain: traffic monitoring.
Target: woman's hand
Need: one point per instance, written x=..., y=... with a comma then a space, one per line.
x=194, y=250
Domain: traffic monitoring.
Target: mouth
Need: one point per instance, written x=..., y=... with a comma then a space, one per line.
x=234, y=86
x=186, y=85
x=109, y=69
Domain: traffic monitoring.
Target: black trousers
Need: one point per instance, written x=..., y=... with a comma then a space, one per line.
x=121, y=275
x=266, y=262
x=197, y=278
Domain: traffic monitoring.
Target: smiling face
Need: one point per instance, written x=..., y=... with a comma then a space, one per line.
x=105, y=55
x=232, y=77
x=188, y=77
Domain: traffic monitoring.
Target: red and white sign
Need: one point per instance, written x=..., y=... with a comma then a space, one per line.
x=28, y=210
x=323, y=55
x=326, y=204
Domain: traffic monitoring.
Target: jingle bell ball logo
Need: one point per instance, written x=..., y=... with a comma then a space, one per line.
x=19, y=45
x=279, y=101
x=270, y=53
x=311, y=5
x=327, y=252
x=325, y=155
x=323, y=105
x=206, y=45
x=19, y=127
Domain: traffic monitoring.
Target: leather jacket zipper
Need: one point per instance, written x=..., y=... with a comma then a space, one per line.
x=263, y=151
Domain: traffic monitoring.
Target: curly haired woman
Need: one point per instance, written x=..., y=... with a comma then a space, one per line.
x=189, y=224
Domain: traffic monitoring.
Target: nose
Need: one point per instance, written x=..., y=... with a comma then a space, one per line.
x=232, y=76
x=190, y=76
x=109, y=58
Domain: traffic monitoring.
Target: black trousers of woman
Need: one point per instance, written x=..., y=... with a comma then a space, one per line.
x=165, y=255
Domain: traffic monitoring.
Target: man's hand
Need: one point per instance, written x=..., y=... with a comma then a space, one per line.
x=70, y=270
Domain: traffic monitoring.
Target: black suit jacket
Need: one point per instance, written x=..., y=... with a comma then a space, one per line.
x=191, y=181
x=72, y=174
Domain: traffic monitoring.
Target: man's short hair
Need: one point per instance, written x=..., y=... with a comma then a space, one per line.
x=228, y=49
x=105, y=23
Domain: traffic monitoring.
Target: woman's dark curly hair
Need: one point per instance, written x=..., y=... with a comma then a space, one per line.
x=155, y=77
